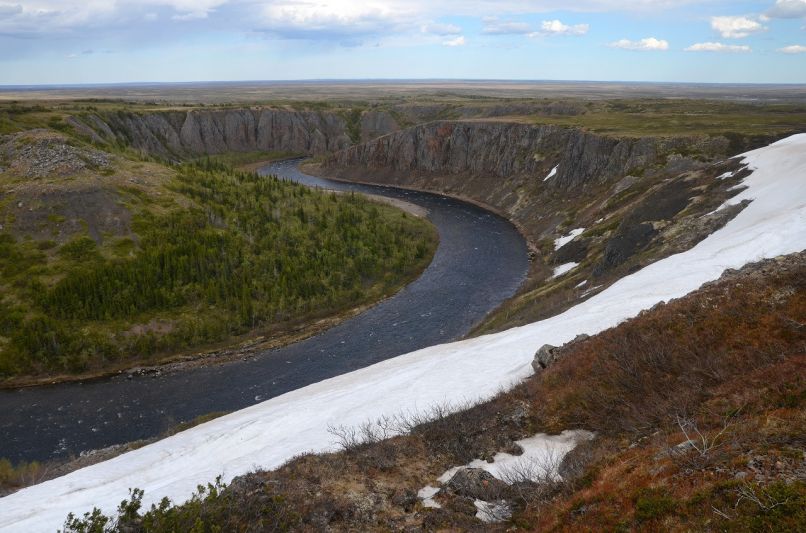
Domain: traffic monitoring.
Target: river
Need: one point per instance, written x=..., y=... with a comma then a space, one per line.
x=480, y=262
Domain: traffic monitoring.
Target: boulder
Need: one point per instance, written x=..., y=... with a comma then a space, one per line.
x=548, y=354
x=477, y=484
x=544, y=357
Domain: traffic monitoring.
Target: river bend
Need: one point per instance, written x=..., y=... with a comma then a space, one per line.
x=480, y=262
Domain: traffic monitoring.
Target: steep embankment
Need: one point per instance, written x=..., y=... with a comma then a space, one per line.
x=718, y=365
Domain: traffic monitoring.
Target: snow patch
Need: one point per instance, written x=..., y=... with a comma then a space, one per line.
x=562, y=269
x=541, y=457
x=552, y=173
x=426, y=494
x=492, y=512
x=270, y=433
x=562, y=241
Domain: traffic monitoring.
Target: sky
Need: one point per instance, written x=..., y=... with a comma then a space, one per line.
x=119, y=41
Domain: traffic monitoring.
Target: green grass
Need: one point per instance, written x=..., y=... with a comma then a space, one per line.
x=636, y=118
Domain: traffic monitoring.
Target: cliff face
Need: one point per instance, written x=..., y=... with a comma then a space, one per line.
x=501, y=150
x=532, y=174
x=200, y=132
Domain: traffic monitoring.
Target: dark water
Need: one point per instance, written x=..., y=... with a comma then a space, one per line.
x=481, y=260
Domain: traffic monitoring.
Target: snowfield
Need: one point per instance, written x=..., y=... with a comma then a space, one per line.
x=268, y=434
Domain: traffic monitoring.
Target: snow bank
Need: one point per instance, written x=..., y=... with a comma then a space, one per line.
x=562, y=269
x=565, y=239
x=269, y=433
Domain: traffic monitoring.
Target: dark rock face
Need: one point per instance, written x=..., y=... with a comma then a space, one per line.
x=376, y=124
x=628, y=240
x=636, y=230
x=574, y=251
x=200, y=132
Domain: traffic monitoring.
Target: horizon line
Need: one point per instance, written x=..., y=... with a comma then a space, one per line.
x=45, y=86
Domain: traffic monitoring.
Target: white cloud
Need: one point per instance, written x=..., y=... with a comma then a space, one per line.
x=436, y=28
x=297, y=19
x=717, y=47
x=648, y=44
x=47, y=16
x=493, y=26
x=6, y=10
x=793, y=49
x=458, y=41
x=555, y=27
x=343, y=21
x=736, y=27
x=788, y=9
x=188, y=9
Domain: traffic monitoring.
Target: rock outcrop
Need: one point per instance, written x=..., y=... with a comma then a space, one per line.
x=177, y=134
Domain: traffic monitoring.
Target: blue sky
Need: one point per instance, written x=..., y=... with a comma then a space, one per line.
x=108, y=41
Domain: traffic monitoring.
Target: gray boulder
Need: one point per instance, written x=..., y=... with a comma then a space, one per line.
x=548, y=354
x=544, y=357
x=477, y=484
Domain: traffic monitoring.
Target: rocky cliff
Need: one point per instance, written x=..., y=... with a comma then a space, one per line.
x=516, y=168
x=496, y=150
x=199, y=132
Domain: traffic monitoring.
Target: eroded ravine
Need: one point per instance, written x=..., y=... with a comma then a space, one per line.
x=481, y=261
